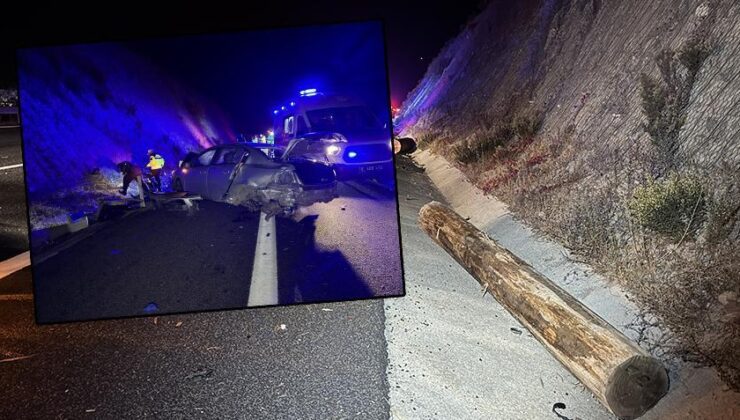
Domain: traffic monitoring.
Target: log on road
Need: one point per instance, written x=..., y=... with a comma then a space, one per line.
x=624, y=377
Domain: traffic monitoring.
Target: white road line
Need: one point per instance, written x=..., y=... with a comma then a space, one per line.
x=11, y=265
x=17, y=165
x=13, y=359
x=264, y=288
x=16, y=297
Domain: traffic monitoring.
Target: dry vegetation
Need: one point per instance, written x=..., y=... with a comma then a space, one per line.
x=97, y=185
x=666, y=229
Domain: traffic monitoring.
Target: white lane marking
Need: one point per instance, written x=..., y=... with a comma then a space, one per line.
x=16, y=297
x=11, y=265
x=18, y=165
x=264, y=287
x=13, y=359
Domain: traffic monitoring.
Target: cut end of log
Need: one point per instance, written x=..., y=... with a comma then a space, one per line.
x=635, y=386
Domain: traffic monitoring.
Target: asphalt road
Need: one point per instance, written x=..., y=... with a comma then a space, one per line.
x=346, y=249
x=442, y=351
x=13, y=224
x=306, y=361
x=303, y=361
x=151, y=262
x=164, y=262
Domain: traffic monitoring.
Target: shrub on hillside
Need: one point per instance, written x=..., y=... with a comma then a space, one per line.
x=483, y=142
x=527, y=124
x=723, y=209
x=665, y=99
x=673, y=207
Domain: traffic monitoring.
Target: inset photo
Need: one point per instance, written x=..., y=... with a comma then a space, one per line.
x=209, y=172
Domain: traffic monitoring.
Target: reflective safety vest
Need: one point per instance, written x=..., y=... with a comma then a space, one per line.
x=156, y=161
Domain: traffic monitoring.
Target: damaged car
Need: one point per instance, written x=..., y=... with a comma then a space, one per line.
x=244, y=175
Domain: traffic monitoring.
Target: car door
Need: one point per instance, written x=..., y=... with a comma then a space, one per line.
x=196, y=181
x=220, y=170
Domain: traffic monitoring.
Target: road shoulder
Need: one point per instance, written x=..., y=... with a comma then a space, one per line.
x=453, y=352
x=693, y=390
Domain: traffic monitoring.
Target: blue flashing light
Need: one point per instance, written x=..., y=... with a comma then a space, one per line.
x=352, y=155
x=283, y=108
x=275, y=112
x=292, y=103
x=309, y=92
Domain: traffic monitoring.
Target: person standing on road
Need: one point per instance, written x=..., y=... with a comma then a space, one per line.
x=130, y=172
x=155, y=165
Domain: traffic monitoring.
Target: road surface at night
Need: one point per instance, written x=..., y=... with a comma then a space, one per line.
x=13, y=224
x=167, y=261
x=442, y=351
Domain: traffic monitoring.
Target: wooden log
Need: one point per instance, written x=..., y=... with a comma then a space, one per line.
x=624, y=377
x=404, y=145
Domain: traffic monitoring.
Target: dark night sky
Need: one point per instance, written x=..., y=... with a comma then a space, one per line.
x=415, y=31
x=250, y=73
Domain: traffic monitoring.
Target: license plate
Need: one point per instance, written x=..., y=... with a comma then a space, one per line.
x=372, y=168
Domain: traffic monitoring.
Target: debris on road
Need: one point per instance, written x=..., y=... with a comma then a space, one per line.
x=327, y=309
x=151, y=307
x=516, y=331
x=200, y=374
x=179, y=323
x=559, y=406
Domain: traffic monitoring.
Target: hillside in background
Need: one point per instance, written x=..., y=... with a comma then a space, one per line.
x=90, y=107
x=580, y=62
x=614, y=127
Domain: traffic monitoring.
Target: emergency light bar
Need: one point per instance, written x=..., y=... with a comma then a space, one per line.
x=308, y=92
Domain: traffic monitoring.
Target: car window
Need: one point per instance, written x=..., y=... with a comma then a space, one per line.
x=205, y=158
x=257, y=157
x=289, y=125
x=302, y=128
x=229, y=156
x=305, y=148
x=342, y=118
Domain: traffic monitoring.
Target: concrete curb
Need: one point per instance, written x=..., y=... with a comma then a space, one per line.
x=693, y=390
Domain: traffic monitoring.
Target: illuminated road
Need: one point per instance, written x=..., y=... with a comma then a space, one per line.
x=158, y=262
x=13, y=224
x=348, y=248
x=307, y=361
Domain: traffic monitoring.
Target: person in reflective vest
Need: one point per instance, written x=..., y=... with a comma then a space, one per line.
x=155, y=165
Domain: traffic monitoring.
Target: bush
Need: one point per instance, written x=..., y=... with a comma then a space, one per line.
x=672, y=207
x=665, y=99
x=527, y=124
x=483, y=142
x=723, y=209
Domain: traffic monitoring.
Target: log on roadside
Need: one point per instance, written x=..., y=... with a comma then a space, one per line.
x=404, y=145
x=624, y=377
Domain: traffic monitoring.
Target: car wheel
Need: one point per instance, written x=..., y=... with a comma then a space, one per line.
x=178, y=185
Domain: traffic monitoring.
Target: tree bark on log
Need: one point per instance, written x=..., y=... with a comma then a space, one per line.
x=623, y=376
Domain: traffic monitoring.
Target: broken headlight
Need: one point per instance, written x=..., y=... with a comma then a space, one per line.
x=333, y=143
